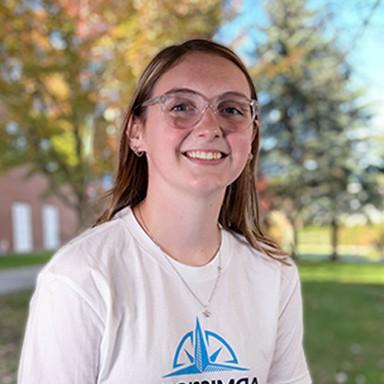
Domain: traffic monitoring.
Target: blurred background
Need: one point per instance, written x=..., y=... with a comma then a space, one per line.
x=67, y=71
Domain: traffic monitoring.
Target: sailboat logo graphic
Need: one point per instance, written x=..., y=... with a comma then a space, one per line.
x=203, y=351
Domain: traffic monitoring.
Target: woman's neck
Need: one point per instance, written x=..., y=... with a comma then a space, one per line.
x=185, y=227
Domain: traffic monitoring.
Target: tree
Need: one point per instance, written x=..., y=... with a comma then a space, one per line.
x=135, y=35
x=310, y=116
x=48, y=87
x=67, y=69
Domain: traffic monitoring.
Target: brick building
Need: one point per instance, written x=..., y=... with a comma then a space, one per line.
x=28, y=220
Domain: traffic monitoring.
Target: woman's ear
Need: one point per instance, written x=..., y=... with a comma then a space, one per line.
x=134, y=133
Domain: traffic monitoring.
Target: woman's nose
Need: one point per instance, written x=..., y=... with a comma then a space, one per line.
x=209, y=124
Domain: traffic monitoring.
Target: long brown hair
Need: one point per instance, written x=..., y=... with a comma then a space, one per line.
x=240, y=210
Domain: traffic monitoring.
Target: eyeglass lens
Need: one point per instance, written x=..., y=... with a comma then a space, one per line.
x=185, y=110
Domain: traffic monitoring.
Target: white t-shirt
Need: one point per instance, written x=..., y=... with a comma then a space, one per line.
x=108, y=308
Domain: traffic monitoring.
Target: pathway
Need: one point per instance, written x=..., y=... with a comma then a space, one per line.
x=18, y=279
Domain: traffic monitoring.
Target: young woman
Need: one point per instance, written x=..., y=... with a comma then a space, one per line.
x=176, y=283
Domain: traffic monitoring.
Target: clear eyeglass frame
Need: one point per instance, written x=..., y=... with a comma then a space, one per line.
x=199, y=105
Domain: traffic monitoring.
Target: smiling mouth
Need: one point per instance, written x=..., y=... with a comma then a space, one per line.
x=205, y=155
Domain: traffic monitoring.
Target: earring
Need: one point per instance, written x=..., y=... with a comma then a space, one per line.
x=250, y=156
x=137, y=152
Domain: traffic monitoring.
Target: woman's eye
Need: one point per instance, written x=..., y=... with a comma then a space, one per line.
x=232, y=111
x=232, y=108
x=181, y=107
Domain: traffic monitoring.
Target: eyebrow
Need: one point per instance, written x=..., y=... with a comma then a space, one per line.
x=188, y=90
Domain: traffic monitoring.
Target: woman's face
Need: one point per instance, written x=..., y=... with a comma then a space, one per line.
x=205, y=158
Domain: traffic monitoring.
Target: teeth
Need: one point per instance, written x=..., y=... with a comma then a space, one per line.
x=205, y=155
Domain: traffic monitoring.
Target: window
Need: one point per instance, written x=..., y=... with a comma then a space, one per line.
x=51, y=230
x=22, y=227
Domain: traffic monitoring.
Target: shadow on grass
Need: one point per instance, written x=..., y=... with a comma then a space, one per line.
x=344, y=258
x=344, y=331
x=14, y=308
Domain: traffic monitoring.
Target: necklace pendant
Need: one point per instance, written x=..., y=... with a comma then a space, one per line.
x=206, y=313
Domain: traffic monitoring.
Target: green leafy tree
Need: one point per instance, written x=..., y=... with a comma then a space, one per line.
x=310, y=118
x=68, y=68
x=48, y=86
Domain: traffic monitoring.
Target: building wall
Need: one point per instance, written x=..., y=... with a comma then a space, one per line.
x=16, y=187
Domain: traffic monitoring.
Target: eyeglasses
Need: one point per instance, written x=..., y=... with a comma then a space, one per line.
x=184, y=109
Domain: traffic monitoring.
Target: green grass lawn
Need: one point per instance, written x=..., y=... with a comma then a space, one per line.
x=24, y=260
x=344, y=318
x=13, y=316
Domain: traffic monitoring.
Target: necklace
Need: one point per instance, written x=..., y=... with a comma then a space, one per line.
x=205, y=306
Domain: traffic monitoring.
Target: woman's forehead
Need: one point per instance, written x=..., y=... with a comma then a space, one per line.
x=205, y=73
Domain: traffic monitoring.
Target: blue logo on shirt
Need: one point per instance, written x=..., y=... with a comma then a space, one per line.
x=203, y=351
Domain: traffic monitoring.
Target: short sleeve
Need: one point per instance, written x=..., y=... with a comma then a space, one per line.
x=289, y=364
x=62, y=337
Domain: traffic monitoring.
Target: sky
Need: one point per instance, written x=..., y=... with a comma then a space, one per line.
x=363, y=42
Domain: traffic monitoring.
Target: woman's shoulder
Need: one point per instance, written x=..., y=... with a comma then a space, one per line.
x=91, y=251
x=85, y=267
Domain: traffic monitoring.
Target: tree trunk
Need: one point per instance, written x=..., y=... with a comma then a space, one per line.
x=334, y=238
x=295, y=227
x=84, y=213
x=295, y=242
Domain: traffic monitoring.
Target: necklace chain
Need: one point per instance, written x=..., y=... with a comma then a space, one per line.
x=206, y=311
